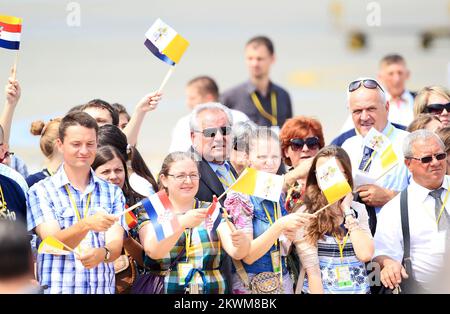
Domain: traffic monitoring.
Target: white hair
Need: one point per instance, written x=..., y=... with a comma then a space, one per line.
x=193, y=121
x=419, y=135
x=380, y=92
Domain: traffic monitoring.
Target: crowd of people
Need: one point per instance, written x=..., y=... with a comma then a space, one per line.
x=389, y=235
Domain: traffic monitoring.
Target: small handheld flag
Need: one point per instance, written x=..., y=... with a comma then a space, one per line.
x=51, y=245
x=10, y=29
x=130, y=219
x=332, y=181
x=165, y=43
x=160, y=212
x=259, y=183
x=382, y=146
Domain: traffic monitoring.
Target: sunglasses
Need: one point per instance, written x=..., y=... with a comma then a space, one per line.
x=211, y=132
x=298, y=143
x=369, y=83
x=428, y=159
x=437, y=108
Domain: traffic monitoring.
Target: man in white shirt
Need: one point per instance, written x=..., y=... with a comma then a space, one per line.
x=202, y=89
x=393, y=74
x=368, y=108
x=428, y=212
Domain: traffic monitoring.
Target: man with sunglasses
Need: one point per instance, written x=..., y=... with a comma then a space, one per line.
x=369, y=109
x=210, y=126
x=393, y=74
x=428, y=216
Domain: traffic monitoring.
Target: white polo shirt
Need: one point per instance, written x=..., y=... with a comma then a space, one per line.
x=427, y=243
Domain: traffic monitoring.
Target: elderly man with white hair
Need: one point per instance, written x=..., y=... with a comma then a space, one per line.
x=369, y=109
x=413, y=227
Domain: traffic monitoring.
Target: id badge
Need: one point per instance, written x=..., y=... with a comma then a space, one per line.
x=183, y=271
x=276, y=261
x=343, y=276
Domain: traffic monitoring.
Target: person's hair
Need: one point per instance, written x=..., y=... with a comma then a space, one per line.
x=49, y=133
x=299, y=127
x=421, y=100
x=76, y=108
x=15, y=250
x=444, y=135
x=205, y=85
x=379, y=90
x=76, y=118
x=111, y=135
x=169, y=160
x=421, y=121
x=213, y=106
x=121, y=109
x=327, y=221
x=392, y=59
x=242, y=132
x=262, y=40
x=107, y=153
x=262, y=133
x=419, y=135
x=101, y=104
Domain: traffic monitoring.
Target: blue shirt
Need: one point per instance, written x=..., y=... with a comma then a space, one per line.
x=260, y=224
x=13, y=206
x=48, y=200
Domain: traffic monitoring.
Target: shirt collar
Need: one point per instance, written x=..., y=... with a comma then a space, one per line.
x=420, y=192
x=60, y=179
x=250, y=87
x=215, y=166
x=404, y=97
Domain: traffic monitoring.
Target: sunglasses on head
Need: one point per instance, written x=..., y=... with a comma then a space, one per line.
x=298, y=143
x=368, y=83
x=211, y=132
x=428, y=159
x=437, y=108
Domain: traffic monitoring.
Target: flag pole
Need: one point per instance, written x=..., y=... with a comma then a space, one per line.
x=229, y=223
x=228, y=189
x=384, y=173
x=16, y=59
x=323, y=208
x=130, y=208
x=166, y=78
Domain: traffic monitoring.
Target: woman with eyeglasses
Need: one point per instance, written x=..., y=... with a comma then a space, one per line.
x=301, y=138
x=434, y=100
x=195, y=252
x=340, y=234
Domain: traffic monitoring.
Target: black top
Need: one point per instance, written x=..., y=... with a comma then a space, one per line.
x=15, y=200
x=36, y=177
x=239, y=98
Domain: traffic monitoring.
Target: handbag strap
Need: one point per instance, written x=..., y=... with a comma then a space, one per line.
x=241, y=272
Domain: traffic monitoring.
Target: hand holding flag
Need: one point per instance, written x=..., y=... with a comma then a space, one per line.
x=51, y=245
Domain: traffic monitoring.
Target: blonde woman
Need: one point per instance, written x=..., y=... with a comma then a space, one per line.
x=434, y=100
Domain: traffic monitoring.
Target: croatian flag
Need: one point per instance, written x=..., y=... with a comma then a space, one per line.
x=10, y=28
x=165, y=43
x=211, y=220
x=159, y=210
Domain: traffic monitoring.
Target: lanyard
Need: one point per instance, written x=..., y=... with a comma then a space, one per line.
x=342, y=246
x=187, y=234
x=2, y=198
x=49, y=171
x=224, y=182
x=275, y=216
x=75, y=207
x=374, y=152
x=273, y=103
x=442, y=207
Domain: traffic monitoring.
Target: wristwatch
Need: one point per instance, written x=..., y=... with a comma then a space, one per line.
x=107, y=255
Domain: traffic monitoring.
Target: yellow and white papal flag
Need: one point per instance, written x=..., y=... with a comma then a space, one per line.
x=332, y=181
x=53, y=246
x=383, y=147
x=259, y=183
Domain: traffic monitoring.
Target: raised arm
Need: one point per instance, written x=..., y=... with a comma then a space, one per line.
x=12, y=93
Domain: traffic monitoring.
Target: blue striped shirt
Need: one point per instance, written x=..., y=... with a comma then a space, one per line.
x=48, y=200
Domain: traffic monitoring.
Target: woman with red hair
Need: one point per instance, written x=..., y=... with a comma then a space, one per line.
x=301, y=138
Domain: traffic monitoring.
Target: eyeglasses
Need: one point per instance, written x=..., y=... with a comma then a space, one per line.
x=369, y=83
x=437, y=108
x=211, y=132
x=428, y=159
x=298, y=143
x=183, y=177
